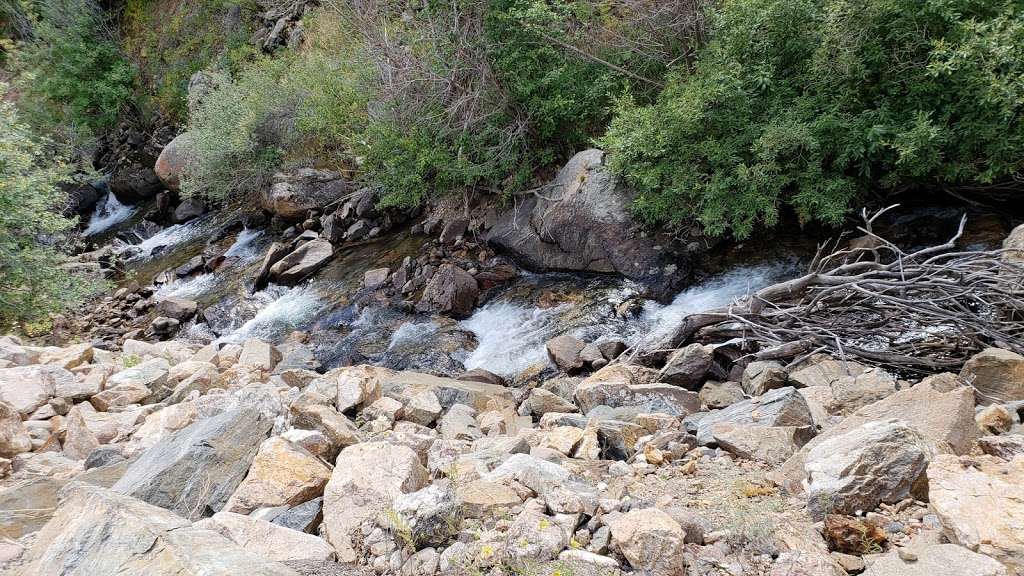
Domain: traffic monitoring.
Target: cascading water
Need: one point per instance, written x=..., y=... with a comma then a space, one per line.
x=287, y=309
x=109, y=212
x=511, y=335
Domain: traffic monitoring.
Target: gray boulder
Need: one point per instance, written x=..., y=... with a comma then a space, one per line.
x=194, y=471
x=780, y=407
x=302, y=261
x=583, y=223
x=292, y=195
x=451, y=291
x=96, y=531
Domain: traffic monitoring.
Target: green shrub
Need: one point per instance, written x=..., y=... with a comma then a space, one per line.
x=169, y=40
x=32, y=281
x=809, y=104
x=72, y=78
x=301, y=106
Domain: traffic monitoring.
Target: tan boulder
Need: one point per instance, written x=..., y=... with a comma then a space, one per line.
x=14, y=438
x=938, y=407
x=480, y=498
x=367, y=479
x=282, y=474
x=768, y=444
x=269, y=541
x=980, y=502
x=997, y=375
x=29, y=387
x=650, y=540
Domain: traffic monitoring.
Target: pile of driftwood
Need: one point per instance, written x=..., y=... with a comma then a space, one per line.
x=923, y=311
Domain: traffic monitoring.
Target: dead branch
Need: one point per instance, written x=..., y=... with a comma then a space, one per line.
x=924, y=310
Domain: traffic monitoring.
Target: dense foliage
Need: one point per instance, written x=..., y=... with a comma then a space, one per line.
x=32, y=279
x=71, y=77
x=810, y=104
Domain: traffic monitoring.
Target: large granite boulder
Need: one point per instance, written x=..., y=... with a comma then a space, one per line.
x=779, y=407
x=996, y=374
x=292, y=195
x=195, y=470
x=980, y=502
x=96, y=531
x=282, y=474
x=14, y=438
x=29, y=387
x=174, y=160
x=583, y=223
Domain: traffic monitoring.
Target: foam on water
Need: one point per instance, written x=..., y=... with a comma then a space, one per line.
x=170, y=236
x=190, y=288
x=411, y=332
x=511, y=336
x=243, y=245
x=289, y=309
x=108, y=212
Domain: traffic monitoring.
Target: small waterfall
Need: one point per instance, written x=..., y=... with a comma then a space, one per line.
x=190, y=288
x=243, y=246
x=511, y=335
x=170, y=236
x=108, y=212
x=288, y=309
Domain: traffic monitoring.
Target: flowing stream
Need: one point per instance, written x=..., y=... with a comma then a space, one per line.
x=108, y=213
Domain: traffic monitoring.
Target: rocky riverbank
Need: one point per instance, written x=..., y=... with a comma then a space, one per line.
x=168, y=458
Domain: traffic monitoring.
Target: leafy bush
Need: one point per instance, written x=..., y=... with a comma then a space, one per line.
x=299, y=106
x=72, y=78
x=809, y=104
x=32, y=281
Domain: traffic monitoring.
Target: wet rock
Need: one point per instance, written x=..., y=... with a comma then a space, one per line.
x=934, y=559
x=178, y=308
x=877, y=462
x=270, y=541
x=367, y=479
x=650, y=540
x=292, y=195
x=587, y=226
x=281, y=474
x=195, y=470
x=481, y=375
x=373, y=279
x=173, y=161
x=451, y=291
x=687, y=367
x=302, y=262
x=164, y=327
x=980, y=503
x=996, y=374
x=189, y=208
x=565, y=351
x=97, y=531
x=779, y=407
x=14, y=438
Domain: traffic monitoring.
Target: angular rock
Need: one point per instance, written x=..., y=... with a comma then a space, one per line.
x=305, y=517
x=938, y=407
x=267, y=540
x=432, y=515
x=1006, y=447
x=367, y=479
x=882, y=461
x=451, y=291
x=587, y=226
x=302, y=262
x=760, y=377
x=282, y=474
x=259, y=354
x=151, y=374
x=935, y=559
x=423, y=408
x=717, y=395
x=996, y=374
x=178, y=308
x=980, y=502
x=292, y=195
x=402, y=386
x=542, y=401
x=779, y=407
x=482, y=498
x=195, y=470
x=565, y=351
x=687, y=367
x=96, y=531
x=535, y=536
x=650, y=540
x=29, y=387
x=14, y=438
x=771, y=444
x=338, y=429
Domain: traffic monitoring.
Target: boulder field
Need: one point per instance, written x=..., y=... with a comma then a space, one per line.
x=170, y=458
